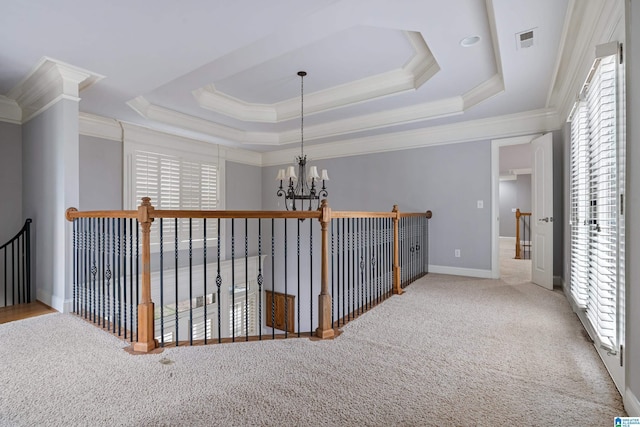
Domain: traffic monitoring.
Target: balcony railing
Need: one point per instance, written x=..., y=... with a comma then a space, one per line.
x=167, y=277
x=15, y=268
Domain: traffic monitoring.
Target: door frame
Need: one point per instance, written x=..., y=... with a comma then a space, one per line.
x=495, y=195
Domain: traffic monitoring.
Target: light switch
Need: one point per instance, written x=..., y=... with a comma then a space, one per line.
x=480, y=204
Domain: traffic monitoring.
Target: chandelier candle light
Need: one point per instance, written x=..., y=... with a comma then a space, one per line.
x=303, y=186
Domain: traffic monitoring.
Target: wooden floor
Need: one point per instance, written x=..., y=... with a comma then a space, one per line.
x=23, y=311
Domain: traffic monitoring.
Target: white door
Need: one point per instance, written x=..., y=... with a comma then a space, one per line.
x=542, y=212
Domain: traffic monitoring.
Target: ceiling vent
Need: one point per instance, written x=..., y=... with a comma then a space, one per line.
x=525, y=39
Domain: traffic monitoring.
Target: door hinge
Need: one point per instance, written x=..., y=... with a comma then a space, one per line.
x=621, y=355
x=621, y=54
x=621, y=204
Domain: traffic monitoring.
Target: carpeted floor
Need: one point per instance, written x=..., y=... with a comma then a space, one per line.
x=451, y=351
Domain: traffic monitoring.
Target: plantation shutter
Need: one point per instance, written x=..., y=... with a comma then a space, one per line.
x=174, y=183
x=594, y=193
x=579, y=196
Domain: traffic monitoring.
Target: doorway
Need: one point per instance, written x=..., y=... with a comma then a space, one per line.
x=512, y=188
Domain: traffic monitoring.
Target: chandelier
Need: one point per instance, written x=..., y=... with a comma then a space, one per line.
x=302, y=189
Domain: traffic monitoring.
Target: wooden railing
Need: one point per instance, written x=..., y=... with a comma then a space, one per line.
x=523, y=239
x=364, y=257
x=15, y=268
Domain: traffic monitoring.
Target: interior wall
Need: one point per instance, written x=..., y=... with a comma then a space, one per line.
x=11, y=219
x=513, y=195
x=447, y=179
x=100, y=174
x=243, y=190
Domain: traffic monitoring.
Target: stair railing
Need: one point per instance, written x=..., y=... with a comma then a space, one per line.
x=205, y=288
x=15, y=272
x=523, y=240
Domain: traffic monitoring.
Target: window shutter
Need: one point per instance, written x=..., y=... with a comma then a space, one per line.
x=594, y=193
x=174, y=183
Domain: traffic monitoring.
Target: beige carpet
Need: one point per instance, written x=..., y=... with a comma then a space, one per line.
x=513, y=271
x=452, y=351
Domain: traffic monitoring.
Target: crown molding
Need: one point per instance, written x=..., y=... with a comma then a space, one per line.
x=418, y=70
x=537, y=121
x=49, y=81
x=99, y=127
x=411, y=114
x=186, y=121
x=10, y=111
x=152, y=137
x=483, y=91
x=590, y=24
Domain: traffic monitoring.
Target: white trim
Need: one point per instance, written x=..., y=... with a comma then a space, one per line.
x=537, y=121
x=99, y=127
x=411, y=114
x=57, y=303
x=418, y=70
x=10, y=111
x=495, y=195
x=459, y=271
x=590, y=24
x=631, y=403
x=48, y=82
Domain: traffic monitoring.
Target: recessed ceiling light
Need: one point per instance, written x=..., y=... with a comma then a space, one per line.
x=469, y=41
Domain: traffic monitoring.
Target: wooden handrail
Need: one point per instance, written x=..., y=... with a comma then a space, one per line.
x=146, y=213
x=518, y=246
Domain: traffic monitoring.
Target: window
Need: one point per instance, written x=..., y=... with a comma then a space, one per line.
x=597, y=184
x=175, y=174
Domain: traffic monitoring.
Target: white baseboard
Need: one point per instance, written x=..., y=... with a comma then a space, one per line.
x=59, y=304
x=459, y=271
x=631, y=403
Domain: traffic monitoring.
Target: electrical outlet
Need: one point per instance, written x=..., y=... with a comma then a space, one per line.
x=457, y=253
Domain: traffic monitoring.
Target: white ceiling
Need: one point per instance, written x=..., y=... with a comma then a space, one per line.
x=225, y=70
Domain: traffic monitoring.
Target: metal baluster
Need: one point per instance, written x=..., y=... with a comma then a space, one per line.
x=273, y=280
x=190, y=281
x=286, y=289
x=118, y=275
x=13, y=274
x=333, y=289
x=298, y=302
x=131, y=275
x=5, y=276
x=310, y=279
x=137, y=274
x=349, y=270
x=246, y=278
x=75, y=266
x=124, y=275
x=111, y=276
x=218, y=286
x=260, y=279
x=233, y=280
x=175, y=254
x=204, y=277
x=161, y=283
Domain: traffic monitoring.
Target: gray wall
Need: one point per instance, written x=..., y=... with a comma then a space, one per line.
x=10, y=180
x=446, y=179
x=513, y=195
x=100, y=174
x=633, y=198
x=243, y=186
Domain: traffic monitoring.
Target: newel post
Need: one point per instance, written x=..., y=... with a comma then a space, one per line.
x=146, y=341
x=397, y=286
x=325, y=324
